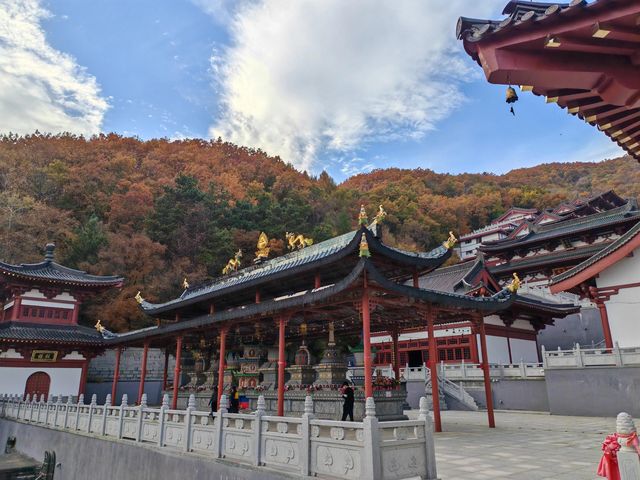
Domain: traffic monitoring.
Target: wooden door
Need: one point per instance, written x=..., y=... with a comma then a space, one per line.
x=38, y=384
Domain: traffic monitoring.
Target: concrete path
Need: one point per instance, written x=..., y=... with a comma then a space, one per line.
x=523, y=446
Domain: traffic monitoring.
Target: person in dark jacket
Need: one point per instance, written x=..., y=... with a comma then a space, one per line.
x=213, y=401
x=234, y=400
x=347, y=406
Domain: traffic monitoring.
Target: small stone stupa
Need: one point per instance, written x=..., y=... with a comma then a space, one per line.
x=332, y=369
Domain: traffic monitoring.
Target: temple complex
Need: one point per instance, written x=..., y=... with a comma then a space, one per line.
x=43, y=350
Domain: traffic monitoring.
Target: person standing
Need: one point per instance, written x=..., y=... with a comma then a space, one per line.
x=213, y=401
x=347, y=406
x=235, y=400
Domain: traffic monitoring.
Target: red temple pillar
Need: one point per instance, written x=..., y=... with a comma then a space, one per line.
x=604, y=318
x=366, y=340
x=433, y=368
x=486, y=373
x=116, y=376
x=166, y=369
x=416, y=280
x=83, y=375
x=281, y=364
x=143, y=371
x=396, y=354
x=176, y=374
x=316, y=281
x=223, y=348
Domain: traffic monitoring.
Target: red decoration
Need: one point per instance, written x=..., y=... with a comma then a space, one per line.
x=608, y=466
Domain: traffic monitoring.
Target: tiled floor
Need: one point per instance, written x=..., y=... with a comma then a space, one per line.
x=523, y=446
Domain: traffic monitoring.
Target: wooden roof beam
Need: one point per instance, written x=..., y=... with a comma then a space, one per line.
x=591, y=45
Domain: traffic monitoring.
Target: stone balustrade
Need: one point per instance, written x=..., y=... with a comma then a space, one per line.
x=303, y=446
x=472, y=371
x=591, y=357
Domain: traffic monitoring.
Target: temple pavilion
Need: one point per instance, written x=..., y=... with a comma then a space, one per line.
x=350, y=284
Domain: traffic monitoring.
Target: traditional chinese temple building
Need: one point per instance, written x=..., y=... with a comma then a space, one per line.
x=43, y=349
x=583, y=56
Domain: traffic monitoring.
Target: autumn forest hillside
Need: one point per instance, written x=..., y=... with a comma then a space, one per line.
x=157, y=211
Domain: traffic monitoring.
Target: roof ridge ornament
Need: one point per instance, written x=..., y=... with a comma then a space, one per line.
x=364, y=247
x=380, y=216
x=103, y=331
x=233, y=264
x=298, y=241
x=185, y=283
x=363, y=220
x=450, y=242
x=139, y=298
x=262, y=248
x=49, y=252
x=515, y=283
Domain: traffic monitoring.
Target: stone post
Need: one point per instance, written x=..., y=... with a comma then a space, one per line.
x=219, y=426
x=371, y=468
x=257, y=429
x=617, y=354
x=578, y=353
x=544, y=357
x=67, y=407
x=92, y=407
x=163, y=409
x=79, y=406
x=430, y=452
x=305, y=449
x=628, y=458
x=463, y=369
x=27, y=401
x=141, y=407
x=123, y=405
x=46, y=412
x=105, y=413
x=58, y=403
x=191, y=406
x=33, y=406
x=523, y=369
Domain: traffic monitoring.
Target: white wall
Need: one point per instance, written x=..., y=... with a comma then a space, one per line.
x=623, y=309
x=64, y=381
x=497, y=349
x=523, y=350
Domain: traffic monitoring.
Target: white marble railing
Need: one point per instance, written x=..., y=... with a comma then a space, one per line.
x=473, y=371
x=300, y=445
x=591, y=357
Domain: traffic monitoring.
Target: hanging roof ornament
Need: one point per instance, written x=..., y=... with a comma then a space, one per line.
x=185, y=284
x=363, y=220
x=262, y=247
x=511, y=97
x=450, y=242
x=515, y=283
x=380, y=216
x=364, y=247
x=139, y=298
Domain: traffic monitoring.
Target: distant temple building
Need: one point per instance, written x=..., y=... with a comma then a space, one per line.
x=43, y=350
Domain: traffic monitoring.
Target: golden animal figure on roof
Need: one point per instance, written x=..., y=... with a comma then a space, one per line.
x=262, y=247
x=139, y=298
x=515, y=283
x=380, y=216
x=98, y=326
x=297, y=241
x=233, y=264
x=451, y=241
x=185, y=284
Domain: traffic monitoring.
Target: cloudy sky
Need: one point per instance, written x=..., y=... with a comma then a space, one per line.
x=325, y=84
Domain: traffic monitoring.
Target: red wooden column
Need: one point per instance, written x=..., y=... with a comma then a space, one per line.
x=366, y=340
x=282, y=322
x=433, y=368
x=221, y=360
x=116, y=376
x=396, y=354
x=143, y=370
x=166, y=369
x=485, y=371
x=604, y=318
x=83, y=375
x=416, y=280
x=176, y=374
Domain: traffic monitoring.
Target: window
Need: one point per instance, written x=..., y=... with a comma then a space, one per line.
x=56, y=314
x=25, y=311
x=49, y=313
x=65, y=314
x=42, y=313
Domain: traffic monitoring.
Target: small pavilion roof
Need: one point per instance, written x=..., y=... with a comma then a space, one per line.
x=581, y=55
x=558, y=229
x=50, y=272
x=22, y=332
x=595, y=264
x=313, y=257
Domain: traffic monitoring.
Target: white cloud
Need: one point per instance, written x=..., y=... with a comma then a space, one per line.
x=305, y=78
x=40, y=87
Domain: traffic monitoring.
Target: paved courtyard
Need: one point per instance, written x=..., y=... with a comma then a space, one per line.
x=523, y=446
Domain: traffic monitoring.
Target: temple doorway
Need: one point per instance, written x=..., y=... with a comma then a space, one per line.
x=37, y=384
x=415, y=358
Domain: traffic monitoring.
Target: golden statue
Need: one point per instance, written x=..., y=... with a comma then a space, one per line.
x=263, y=249
x=362, y=216
x=364, y=247
x=139, y=298
x=99, y=327
x=185, y=284
x=450, y=242
x=380, y=216
x=233, y=264
x=515, y=283
x=297, y=241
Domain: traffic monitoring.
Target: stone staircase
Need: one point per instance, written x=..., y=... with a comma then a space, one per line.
x=451, y=395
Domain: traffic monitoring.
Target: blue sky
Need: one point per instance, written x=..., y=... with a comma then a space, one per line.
x=345, y=87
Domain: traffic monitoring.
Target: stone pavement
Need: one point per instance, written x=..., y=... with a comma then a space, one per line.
x=523, y=446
